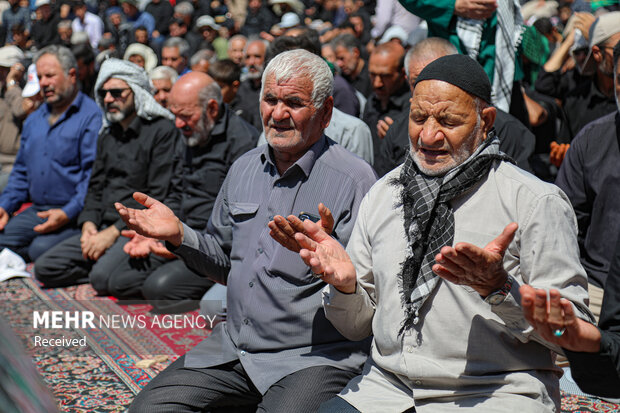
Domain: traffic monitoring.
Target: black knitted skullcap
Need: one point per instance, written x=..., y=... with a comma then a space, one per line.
x=461, y=71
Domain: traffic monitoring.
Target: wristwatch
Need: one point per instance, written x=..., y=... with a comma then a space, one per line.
x=11, y=83
x=498, y=297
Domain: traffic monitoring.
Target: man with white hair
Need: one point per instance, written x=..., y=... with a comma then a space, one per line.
x=162, y=78
x=434, y=265
x=134, y=150
x=276, y=339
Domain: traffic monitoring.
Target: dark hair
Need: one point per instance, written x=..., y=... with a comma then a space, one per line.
x=544, y=25
x=83, y=52
x=140, y=28
x=18, y=28
x=307, y=40
x=225, y=71
x=348, y=41
x=179, y=22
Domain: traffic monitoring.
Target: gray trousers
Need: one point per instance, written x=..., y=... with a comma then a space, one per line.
x=227, y=388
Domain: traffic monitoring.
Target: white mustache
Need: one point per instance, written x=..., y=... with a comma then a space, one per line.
x=287, y=124
x=430, y=148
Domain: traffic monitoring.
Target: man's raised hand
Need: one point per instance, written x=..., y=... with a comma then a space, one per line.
x=326, y=257
x=480, y=268
x=557, y=314
x=475, y=9
x=156, y=221
x=283, y=229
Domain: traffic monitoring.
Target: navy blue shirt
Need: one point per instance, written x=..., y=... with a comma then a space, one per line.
x=54, y=161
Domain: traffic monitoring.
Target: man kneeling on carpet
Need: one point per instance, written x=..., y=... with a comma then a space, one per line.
x=276, y=349
x=134, y=151
x=213, y=138
x=443, y=308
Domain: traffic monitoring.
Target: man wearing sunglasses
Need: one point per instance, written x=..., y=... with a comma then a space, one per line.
x=134, y=152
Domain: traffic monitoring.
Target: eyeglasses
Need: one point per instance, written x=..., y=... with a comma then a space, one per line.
x=116, y=93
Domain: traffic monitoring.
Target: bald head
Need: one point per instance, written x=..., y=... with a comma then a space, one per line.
x=195, y=101
x=423, y=53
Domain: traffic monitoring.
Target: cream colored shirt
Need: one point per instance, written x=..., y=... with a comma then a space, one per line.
x=464, y=353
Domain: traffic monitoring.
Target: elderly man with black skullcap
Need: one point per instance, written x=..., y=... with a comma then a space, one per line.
x=134, y=152
x=435, y=261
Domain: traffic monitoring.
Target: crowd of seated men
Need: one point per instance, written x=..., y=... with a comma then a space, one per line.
x=354, y=180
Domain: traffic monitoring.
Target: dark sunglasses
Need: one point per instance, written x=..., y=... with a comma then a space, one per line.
x=116, y=93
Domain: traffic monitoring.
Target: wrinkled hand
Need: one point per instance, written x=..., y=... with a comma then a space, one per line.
x=557, y=314
x=4, y=218
x=97, y=244
x=160, y=249
x=156, y=221
x=88, y=230
x=324, y=255
x=283, y=229
x=56, y=218
x=138, y=245
x=475, y=9
x=16, y=73
x=558, y=152
x=480, y=268
x=383, y=125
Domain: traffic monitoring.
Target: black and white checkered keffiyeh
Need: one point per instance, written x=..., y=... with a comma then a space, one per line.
x=429, y=219
x=507, y=38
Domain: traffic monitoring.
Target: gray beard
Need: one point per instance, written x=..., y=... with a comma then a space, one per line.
x=459, y=157
x=115, y=117
x=203, y=133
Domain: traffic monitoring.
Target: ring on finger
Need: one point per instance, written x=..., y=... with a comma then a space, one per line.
x=320, y=276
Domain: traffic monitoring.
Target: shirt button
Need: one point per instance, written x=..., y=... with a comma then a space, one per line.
x=246, y=321
x=260, y=250
x=251, y=284
x=243, y=353
x=418, y=383
x=409, y=349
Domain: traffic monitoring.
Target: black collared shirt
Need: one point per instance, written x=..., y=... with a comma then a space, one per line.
x=136, y=159
x=590, y=177
x=199, y=171
x=599, y=373
x=582, y=106
x=397, y=105
x=247, y=103
x=362, y=82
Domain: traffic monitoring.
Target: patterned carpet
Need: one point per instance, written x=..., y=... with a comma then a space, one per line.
x=102, y=376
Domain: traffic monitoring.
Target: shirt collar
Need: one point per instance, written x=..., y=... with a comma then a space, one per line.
x=305, y=163
x=74, y=106
x=222, y=122
x=133, y=130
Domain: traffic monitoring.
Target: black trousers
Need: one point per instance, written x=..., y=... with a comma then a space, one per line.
x=227, y=388
x=168, y=285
